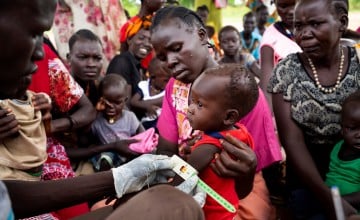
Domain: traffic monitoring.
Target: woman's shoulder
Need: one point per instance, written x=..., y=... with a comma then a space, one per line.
x=288, y=61
x=287, y=72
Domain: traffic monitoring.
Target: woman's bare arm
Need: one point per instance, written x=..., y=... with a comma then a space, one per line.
x=47, y=196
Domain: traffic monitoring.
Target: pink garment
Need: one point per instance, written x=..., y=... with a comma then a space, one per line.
x=281, y=44
x=148, y=141
x=175, y=127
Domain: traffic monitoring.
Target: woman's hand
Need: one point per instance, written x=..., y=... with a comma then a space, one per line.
x=151, y=110
x=348, y=208
x=42, y=102
x=8, y=124
x=148, y=169
x=122, y=148
x=238, y=161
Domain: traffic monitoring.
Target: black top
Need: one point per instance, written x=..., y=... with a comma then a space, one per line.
x=128, y=67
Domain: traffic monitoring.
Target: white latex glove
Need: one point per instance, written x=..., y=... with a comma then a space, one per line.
x=147, y=169
x=190, y=187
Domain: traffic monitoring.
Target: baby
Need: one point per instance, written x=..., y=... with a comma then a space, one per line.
x=22, y=156
x=151, y=92
x=219, y=98
x=113, y=122
x=344, y=170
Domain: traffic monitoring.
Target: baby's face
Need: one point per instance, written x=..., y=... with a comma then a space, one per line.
x=115, y=101
x=351, y=124
x=206, y=111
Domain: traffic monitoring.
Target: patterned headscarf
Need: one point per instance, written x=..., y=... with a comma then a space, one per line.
x=138, y=24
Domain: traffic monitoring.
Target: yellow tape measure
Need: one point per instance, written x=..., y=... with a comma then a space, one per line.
x=223, y=202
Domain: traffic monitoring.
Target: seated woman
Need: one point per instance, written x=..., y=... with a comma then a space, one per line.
x=128, y=65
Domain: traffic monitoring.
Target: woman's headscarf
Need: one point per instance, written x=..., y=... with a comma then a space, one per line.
x=137, y=24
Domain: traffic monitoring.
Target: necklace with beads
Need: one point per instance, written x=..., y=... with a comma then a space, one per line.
x=316, y=77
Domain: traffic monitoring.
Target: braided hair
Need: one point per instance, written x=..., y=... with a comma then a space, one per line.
x=186, y=15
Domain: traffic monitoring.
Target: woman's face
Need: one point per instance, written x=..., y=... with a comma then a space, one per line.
x=285, y=9
x=21, y=37
x=86, y=59
x=139, y=44
x=183, y=48
x=317, y=30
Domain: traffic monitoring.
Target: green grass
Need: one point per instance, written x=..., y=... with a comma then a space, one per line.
x=131, y=6
x=354, y=5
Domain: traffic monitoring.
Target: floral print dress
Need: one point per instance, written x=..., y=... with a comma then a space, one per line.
x=104, y=18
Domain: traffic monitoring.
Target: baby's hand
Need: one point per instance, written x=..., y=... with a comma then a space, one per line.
x=8, y=124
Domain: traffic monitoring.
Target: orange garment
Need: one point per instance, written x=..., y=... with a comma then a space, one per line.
x=133, y=25
x=257, y=204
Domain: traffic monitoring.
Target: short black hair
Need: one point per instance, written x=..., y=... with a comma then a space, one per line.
x=261, y=7
x=83, y=34
x=353, y=97
x=242, y=91
x=249, y=15
x=203, y=8
x=340, y=6
x=112, y=80
x=227, y=28
x=186, y=15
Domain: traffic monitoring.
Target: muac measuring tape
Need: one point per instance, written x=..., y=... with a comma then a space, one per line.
x=186, y=171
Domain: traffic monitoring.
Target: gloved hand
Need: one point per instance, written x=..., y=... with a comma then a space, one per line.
x=190, y=187
x=147, y=169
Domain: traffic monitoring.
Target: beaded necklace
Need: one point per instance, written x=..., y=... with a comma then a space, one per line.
x=316, y=77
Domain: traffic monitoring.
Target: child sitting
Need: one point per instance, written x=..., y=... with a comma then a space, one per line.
x=219, y=98
x=22, y=156
x=151, y=93
x=113, y=122
x=344, y=169
x=229, y=38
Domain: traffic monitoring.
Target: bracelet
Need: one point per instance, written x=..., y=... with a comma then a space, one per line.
x=71, y=121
